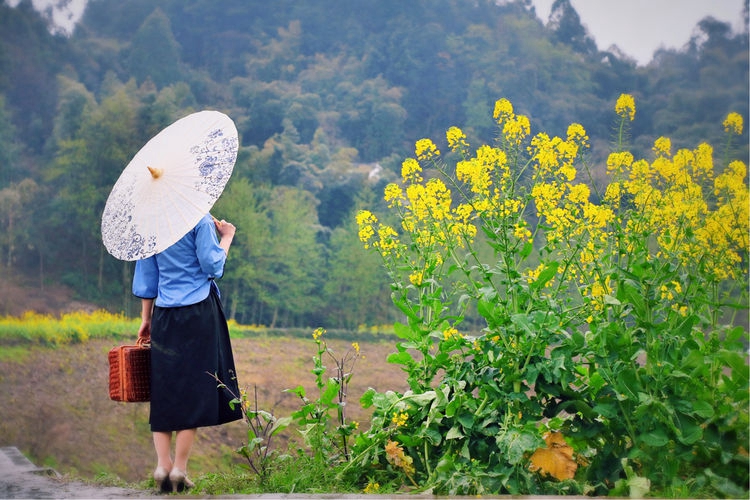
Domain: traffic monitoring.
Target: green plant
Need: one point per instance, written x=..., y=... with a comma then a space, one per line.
x=315, y=416
x=262, y=427
x=608, y=321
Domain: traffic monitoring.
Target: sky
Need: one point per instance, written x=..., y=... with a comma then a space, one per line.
x=637, y=27
x=640, y=27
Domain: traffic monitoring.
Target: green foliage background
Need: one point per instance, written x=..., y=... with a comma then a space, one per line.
x=328, y=97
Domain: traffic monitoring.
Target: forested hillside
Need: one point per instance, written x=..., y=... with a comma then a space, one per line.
x=328, y=97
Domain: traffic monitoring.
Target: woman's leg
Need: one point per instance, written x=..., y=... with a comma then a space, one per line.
x=184, y=444
x=163, y=446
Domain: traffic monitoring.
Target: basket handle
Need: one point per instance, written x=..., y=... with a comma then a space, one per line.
x=143, y=342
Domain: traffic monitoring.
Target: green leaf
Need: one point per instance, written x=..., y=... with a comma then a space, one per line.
x=402, y=331
x=401, y=358
x=514, y=444
x=526, y=250
x=280, y=424
x=549, y=272
x=454, y=433
x=656, y=438
x=367, y=398
x=703, y=409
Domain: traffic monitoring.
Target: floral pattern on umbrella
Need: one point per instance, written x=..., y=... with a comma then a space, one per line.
x=169, y=185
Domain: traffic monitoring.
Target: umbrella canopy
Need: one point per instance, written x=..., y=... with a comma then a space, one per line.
x=169, y=185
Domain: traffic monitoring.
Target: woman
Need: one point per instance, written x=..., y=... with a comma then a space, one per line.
x=182, y=315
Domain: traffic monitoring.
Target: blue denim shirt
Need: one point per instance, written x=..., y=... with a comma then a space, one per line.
x=182, y=274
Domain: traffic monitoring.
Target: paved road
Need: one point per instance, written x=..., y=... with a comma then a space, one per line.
x=19, y=478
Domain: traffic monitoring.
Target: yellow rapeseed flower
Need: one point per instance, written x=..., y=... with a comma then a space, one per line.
x=733, y=123
x=411, y=171
x=449, y=333
x=577, y=135
x=416, y=277
x=456, y=139
x=425, y=149
x=399, y=419
x=371, y=487
x=613, y=193
x=663, y=146
x=579, y=194
x=618, y=162
x=388, y=239
x=625, y=106
x=503, y=109
x=366, y=220
x=393, y=195
x=516, y=129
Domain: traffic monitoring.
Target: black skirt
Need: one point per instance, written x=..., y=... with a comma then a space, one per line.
x=188, y=345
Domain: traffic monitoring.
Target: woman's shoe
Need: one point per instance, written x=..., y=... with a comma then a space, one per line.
x=161, y=480
x=180, y=481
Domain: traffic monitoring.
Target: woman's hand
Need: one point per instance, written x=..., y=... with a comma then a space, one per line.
x=226, y=232
x=147, y=308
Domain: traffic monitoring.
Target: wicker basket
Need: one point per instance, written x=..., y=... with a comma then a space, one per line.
x=130, y=372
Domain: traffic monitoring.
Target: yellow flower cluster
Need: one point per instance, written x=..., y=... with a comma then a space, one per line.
x=515, y=127
x=625, y=106
x=449, y=333
x=387, y=242
x=399, y=419
x=688, y=224
x=674, y=206
x=425, y=149
x=456, y=139
x=733, y=123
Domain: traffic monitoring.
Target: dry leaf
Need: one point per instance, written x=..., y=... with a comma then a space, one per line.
x=556, y=459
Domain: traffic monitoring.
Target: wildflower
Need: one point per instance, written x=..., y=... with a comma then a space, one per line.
x=411, y=171
x=617, y=162
x=577, y=135
x=393, y=194
x=456, y=139
x=388, y=239
x=355, y=346
x=416, y=278
x=425, y=149
x=371, y=487
x=681, y=310
x=613, y=193
x=625, y=106
x=663, y=146
x=733, y=123
x=579, y=194
x=318, y=333
x=516, y=129
x=449, y=333
x=503, y=109
x=365, y=220
x=521, y=232
x=400, y=419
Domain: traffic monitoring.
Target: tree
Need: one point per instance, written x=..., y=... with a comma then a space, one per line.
x=246, y=206
x=155, y=54
x=10, y=147
x=355, y=290
x=293, y=277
